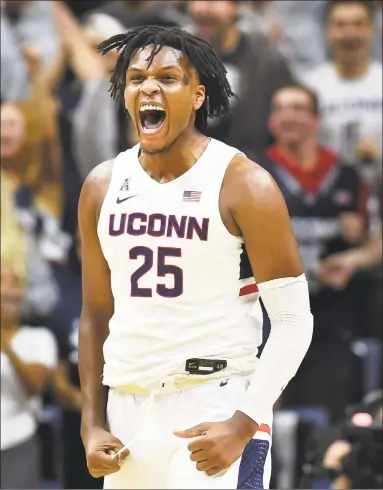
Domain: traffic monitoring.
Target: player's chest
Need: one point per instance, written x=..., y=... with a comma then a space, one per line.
x=143, y=224
x=180, y=210
x=186, y=226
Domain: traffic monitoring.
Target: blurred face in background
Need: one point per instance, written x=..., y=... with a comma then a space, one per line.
x=350, y=31
x=13, y=130
x=213, y=17
x=11, y=297
x=293, y=120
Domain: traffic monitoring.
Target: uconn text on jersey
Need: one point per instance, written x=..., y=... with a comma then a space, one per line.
x=158, y=225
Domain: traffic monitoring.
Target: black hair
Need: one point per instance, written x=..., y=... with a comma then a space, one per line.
x=332, y=4
x=199, y=53
x=311, y=93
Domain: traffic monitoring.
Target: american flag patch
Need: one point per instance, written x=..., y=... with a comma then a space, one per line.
x=191, y=196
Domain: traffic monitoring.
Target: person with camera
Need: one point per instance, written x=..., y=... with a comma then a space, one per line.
x=349, y=454
x=354, y=461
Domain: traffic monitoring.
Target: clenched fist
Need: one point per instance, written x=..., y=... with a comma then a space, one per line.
x=216, y=445
x=100, y=448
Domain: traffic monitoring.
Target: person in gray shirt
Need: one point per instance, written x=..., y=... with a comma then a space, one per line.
x=294, y=27
x=255, y=71
x=28, y=22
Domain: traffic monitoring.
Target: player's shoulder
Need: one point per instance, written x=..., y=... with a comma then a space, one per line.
x=99, y=177
x=248, y=172
x=245, y=179
x=101, y=173
x=96, y=185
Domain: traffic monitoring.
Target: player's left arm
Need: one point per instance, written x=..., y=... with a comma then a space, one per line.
x=253, y=207
x=260, y=213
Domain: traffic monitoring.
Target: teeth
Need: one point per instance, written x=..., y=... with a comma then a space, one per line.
x=149, y=107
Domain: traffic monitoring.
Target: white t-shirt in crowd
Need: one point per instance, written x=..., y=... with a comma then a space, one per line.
x=18, y=409
x=351, y=109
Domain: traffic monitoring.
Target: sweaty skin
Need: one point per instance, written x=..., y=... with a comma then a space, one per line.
x=251, y=206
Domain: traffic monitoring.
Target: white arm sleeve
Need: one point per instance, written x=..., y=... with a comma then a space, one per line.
x=288, y=306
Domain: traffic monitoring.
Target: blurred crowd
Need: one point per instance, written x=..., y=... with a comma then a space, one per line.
x=308, y=80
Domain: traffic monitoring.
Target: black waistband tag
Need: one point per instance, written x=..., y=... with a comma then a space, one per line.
x=204, y=366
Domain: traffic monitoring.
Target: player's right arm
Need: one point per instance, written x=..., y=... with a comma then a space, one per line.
x=97, y=309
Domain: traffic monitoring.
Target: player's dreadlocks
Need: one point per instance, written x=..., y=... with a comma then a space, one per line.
x=200, y=54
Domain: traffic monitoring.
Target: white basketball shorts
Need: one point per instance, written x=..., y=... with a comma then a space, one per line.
x=159, y=459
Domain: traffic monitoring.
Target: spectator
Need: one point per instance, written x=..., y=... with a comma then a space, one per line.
x=350, y=85
x=13, y=236
x=294, y=26
x=337, y=270
x=378, y=4
x=327, y=204
x=66, y=383
x=24, y=22
x=348, y=453
x=30, y=159
x=27, y=357
x=18, y=248
x=79, y=8
x=23, y=160
x=88, y=114
x=137, y=13
x=255, y=70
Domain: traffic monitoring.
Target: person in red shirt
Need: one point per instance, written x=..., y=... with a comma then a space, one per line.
x=327, y=202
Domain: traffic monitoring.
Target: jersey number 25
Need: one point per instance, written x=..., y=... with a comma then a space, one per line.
x=162, y=270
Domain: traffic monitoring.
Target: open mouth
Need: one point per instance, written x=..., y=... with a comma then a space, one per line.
x=152, y=117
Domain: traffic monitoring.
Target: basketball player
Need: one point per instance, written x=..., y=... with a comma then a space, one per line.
x=171, y=319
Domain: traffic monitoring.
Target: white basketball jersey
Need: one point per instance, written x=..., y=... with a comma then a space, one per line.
x=181, y=283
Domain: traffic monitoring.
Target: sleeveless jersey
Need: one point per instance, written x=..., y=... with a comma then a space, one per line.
x=181, y=283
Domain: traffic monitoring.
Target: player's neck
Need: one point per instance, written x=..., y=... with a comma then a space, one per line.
x=305, y=154
x=352, y=69
x=178, y=159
